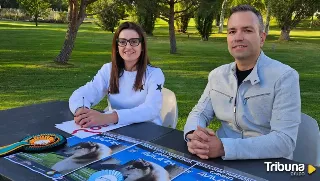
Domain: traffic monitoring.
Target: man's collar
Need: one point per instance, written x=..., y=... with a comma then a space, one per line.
x=253, y=76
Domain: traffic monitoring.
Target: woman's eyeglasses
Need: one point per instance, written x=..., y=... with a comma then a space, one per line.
x=133, y=42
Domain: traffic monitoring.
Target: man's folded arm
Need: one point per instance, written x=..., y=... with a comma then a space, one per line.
x=201, y=114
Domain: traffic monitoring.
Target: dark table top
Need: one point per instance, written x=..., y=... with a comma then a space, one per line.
x=257, y=168
x=20, y=122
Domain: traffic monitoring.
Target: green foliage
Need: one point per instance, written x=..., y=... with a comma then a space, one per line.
x=110, y=14
x=13, y=14
x=20, y=15
x=204, y=18
x=35, y=8
x=316, y=23
x=258, y=4
x=9, y=4
x=62, y=17
x=289, y=13
x=55, y=17
x=183, y=18
x=59, y=5
x=204, y=25
x=147, y=12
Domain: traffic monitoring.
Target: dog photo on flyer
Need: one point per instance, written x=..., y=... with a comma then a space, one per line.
x=76, y=154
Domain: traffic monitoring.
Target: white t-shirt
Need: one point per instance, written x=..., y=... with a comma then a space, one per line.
x=131, y=106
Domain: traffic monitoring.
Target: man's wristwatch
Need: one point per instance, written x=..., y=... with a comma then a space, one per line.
x=190, y=132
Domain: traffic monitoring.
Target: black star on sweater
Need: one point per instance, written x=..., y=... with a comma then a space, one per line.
x=159, y=87
x=141, y=88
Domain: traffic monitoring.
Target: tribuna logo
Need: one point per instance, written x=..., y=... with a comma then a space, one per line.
x=294, y=169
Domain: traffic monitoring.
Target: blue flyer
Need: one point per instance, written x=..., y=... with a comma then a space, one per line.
x=215, y=172
x=144, y=161
x=78, y=153
x=113, y=157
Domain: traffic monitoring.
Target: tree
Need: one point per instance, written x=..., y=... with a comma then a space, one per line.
x=76, y=15
x=204, y=24
x=61, y=5
x=110, y=14
x=268, y=16
x=204, y=18
x=147, y=12
x=168, y=14
x=289, y=14
x=222, y=14
x=9, y=4
x=315, y=9
x=35, y=8
x=258, y=4
x=183, y=20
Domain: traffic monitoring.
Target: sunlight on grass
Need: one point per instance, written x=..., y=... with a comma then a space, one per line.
x=11, y=104
x=11, y=51
x=14, y=65
x=161, y=23
x=310, y=38
x=19, y=24
x=35, y=28
x=95, y=53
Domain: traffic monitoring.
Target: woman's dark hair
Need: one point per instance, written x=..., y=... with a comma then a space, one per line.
x=118, y=63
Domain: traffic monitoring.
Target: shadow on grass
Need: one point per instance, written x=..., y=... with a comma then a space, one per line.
x=295, y=38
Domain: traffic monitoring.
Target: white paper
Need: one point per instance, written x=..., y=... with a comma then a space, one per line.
x=72, y=128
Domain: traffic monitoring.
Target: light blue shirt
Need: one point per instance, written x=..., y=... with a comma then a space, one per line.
x=264, y=120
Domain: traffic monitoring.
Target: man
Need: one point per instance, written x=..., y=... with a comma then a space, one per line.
x=256, y=98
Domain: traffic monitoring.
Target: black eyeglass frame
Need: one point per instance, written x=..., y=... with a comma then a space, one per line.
x=140, y=41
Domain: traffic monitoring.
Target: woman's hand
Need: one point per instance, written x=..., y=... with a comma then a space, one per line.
x=88, y=118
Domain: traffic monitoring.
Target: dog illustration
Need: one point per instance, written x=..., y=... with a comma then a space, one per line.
x=81, y=155
x=141, y=170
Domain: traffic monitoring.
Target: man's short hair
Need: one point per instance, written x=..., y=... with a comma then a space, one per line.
x=246, y=7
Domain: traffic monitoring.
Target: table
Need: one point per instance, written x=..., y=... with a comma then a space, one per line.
x=253, y=167
x=19, y=122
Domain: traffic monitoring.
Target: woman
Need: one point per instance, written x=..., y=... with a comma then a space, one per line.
x=132, y=85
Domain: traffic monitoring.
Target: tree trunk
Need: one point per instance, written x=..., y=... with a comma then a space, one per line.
x=285, y=34
x=218, y=20
x=223, y=9
x=267, y=26
x=36, y=19
x=311, y=23
x=205, y=38
x=173, y=46
x=75, y=20
x=67, y=46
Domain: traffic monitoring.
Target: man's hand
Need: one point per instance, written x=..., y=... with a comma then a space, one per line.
x=88, y=118
x=205, y=144
x=203, y=133
x=196, y=146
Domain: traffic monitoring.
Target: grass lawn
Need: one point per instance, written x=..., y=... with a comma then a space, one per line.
x=27, y=75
